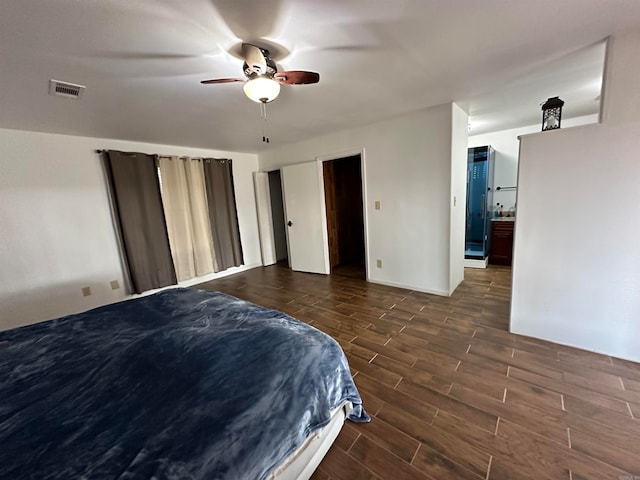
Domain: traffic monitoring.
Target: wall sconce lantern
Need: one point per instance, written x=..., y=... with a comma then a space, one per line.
x=551, y=113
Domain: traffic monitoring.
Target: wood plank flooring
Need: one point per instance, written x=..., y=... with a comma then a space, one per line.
x=451, y=393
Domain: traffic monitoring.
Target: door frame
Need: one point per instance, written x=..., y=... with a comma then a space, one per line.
x=363, y=173
x=265, y=219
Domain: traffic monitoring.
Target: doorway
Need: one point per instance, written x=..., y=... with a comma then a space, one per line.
x=277, y=216
x=345, y=215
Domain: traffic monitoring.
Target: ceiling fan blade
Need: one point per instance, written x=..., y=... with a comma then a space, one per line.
x=254, y=58
x=297, y=77
x=222, y=80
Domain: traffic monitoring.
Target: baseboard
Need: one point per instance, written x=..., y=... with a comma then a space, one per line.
x=471, y=263
x=197, y=280
x=214, y=276
x=442, y=293
x=558, y=341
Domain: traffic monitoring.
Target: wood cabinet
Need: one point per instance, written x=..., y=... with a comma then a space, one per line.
x=501, y=252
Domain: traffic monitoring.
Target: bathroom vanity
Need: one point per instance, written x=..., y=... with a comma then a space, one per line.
x=501, y=252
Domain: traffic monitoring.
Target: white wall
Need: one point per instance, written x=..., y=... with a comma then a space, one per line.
x=576, y=273
x=506, y=145
x=408, y=169
x=57, y=235
x=458, y=195
x=621, y=97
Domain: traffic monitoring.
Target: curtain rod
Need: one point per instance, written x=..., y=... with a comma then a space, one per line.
x=184, y=158
x=168, y=156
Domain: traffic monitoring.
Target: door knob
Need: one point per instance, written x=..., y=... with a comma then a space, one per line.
x=289, y=223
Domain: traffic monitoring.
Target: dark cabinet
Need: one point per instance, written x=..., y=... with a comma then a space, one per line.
x=501, y=243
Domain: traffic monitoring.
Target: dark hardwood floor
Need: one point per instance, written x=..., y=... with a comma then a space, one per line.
x=451, y=393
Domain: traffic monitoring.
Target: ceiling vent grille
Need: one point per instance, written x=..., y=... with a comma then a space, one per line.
x=65, y=89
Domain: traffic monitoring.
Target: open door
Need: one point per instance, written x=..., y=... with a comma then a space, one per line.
x=265, y=221
x=306, y=220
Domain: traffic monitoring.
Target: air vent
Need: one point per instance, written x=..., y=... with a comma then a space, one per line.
x=65, y=89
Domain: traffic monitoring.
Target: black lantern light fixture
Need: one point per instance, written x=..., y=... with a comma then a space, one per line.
x=551, y=113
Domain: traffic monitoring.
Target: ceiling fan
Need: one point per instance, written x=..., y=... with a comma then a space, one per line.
x=262, y=82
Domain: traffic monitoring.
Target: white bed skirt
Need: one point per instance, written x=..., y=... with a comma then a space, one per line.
x=301, y=464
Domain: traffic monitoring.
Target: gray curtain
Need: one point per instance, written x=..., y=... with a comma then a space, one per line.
x=218, y=176
x=136, y=192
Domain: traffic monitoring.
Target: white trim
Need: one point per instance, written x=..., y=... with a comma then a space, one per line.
x=339, y=155
x=363, y=176
x=305, y=460
x=442, y=293
x=323, y=217
x=265, y=217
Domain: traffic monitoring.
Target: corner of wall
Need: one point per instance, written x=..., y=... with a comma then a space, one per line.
x=457, y=193
x=603, y=87
x=620, y=95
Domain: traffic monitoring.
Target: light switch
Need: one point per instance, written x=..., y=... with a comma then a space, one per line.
x=454, y=200
x=377, y=205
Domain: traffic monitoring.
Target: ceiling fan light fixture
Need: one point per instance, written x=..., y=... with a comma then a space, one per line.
x=262, y=89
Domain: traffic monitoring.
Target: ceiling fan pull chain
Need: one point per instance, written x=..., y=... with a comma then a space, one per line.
x=264, y=138
x=264, y=105
x=263, y=115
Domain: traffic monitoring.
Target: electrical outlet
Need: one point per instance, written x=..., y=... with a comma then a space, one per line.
x=86, y=291
x=114, y=285
x=377, y=205
x=379, y=263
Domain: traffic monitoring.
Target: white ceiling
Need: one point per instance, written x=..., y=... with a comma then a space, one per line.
x=142, y=61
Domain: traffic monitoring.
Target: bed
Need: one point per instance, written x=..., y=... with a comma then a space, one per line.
x=180, y=384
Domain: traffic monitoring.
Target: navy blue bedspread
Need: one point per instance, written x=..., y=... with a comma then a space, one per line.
x=181, y=384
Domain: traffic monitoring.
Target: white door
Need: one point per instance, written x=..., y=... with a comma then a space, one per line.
x=306, y=220
x=265, y=220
